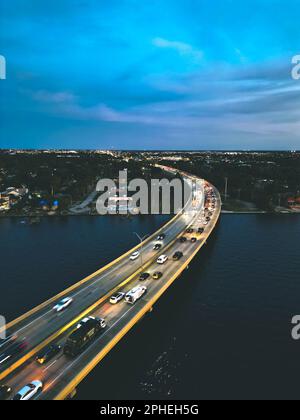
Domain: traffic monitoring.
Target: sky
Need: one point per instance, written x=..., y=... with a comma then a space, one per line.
x=150, y=74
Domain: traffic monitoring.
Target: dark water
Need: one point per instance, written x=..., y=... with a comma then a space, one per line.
x=222, y=331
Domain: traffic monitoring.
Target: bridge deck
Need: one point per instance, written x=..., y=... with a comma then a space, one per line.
x=61, y=375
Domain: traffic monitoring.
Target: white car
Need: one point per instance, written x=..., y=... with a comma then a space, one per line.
x=162, y=259
x=135, y=294
x=135, y=256
x=118, y=297
x=63, y=304
x=29, y=391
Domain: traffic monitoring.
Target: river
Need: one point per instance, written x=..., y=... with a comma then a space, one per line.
x=223, y=330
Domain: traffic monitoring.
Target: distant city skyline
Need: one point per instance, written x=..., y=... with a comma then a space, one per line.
x=161, y=75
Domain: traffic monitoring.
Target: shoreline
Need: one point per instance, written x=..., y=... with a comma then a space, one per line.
x=224, y=212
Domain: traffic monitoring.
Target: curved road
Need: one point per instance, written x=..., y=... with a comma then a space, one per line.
x=61, y=375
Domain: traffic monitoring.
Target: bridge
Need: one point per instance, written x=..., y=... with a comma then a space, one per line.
x=42, y=327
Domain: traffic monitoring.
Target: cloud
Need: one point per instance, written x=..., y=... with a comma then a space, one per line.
x=218, y=104
x=53, y=97
x=180, y=47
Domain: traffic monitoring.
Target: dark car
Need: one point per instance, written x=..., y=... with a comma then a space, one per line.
x=13, y=351
x=177, y=256
x=161, y=237
x=183, y=239
x=189, y=230
x=157, y=247
x=5, y=392
x=47, y=354
x=144, y=276
x=200, y=230
x=194, y=240
x=158, y=275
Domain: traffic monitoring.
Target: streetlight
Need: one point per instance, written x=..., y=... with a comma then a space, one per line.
x=141, y=240
x=226, y=188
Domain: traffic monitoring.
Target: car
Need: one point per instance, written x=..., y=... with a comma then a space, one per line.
x=157, y=247
x=183, y=239
x=189, y=230
x=162, y=259
x=63, y=304
x=5, y=392
x=157, y=275
x=177, y=256
x=13, y=351
x=200, y=230
x=118, y=297
x=161, y=237
x=86, y=321
x=144, y=276
x=29, y=391
x=135, y=294
x=135, y=256
x=194, y=240
x=48, y=353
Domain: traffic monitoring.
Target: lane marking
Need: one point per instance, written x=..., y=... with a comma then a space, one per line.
x=77, y=360
x=92, y=307
x=124, y=263
x=188, y=216
x=84, y=372
x=88, y=349
x=52, y=364
x=90, y=277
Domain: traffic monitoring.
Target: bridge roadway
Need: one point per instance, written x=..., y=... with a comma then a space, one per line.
x=91, y=297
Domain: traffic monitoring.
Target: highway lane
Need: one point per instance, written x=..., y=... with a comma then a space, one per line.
x=54, y=371
x=46, y=323
x=58, y=372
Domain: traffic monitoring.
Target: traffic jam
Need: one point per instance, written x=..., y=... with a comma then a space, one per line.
x=90, y=328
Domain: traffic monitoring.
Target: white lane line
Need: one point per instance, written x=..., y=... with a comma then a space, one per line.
x=96, y=280
x=76, y=294
x=48, y=367
x=4, y=360
x=32, y=322
x=90, y=347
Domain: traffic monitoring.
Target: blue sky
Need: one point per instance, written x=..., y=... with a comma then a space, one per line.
x=149, y=74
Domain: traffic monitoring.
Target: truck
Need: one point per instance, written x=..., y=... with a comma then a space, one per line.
x=85, y=333
x=135, y=294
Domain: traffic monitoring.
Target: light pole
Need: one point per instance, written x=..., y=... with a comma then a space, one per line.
x=141, y=240
x=226, y=188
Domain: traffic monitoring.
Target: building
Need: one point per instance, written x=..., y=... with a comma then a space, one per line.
x=294, y=203
x=4, y=204
x=16, y=192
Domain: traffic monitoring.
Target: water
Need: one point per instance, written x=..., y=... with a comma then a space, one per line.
x=222, y=331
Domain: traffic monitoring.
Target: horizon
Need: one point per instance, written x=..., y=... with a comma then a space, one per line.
x=150, y=151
